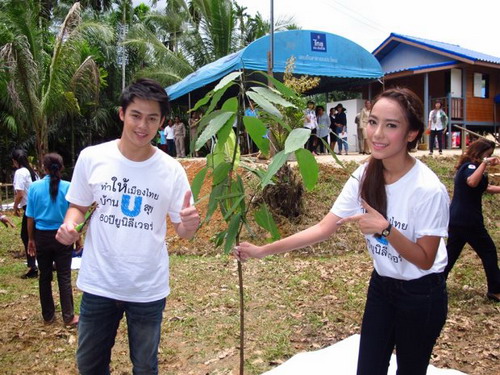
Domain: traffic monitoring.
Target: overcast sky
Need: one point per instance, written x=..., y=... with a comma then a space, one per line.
x=470, y=24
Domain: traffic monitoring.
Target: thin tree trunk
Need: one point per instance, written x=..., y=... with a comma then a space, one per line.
x=41, y=141
x=242, y=320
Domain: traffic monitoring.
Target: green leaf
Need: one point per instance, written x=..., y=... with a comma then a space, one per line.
x=217, y=96
x=221, y=172
x=212, y=202
x=285, y=90
x=278, y=160
x=219, y=238
x=272, y=96
x=264, y=104
x=212, y=128
x=225, y=131
x=234, y=199
x=229, y=195
x=227, y=79
x=233, y=208
x=202, y=101
x=257, y=130
x=198, y=183
x=265, y=220
x=206, y=118
x=241, y=188
x=259, y=172
x=308, y=167
x=230, y=105
x=224, y=148
x=217, y=158
x=232, y=232
x=229, y=150
x=296, y=139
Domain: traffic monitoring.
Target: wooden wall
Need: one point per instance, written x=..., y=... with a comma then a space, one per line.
x=481, y=109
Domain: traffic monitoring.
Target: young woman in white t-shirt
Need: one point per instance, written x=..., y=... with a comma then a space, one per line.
x=402, y=209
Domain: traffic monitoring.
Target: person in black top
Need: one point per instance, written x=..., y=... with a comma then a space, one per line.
x=466, y=216
x=340, y=123
x=333, y=129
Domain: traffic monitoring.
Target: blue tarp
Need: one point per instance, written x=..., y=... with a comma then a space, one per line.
x=317, y=53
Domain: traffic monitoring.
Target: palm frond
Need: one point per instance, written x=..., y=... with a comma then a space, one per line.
x=85, y=82
x=9, y=122
x=163, y=75
x=154, y=52
x=69, y=24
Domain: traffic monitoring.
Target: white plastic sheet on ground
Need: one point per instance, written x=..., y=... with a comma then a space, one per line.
x=340, y=358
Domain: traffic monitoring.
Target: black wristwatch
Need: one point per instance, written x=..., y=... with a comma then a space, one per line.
x=387, y=231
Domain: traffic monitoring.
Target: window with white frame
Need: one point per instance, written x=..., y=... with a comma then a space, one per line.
x=481, y=85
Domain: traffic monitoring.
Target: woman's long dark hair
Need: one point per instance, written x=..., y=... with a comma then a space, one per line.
x=475, y=152
x=53, y=163
x=373, y=182
x=21, y=158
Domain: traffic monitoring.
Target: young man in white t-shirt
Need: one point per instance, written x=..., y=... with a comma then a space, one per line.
x=125, y=267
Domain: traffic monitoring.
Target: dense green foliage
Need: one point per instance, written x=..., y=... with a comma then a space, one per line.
x=63, y=64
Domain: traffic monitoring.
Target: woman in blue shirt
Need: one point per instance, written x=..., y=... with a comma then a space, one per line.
x=46, y=209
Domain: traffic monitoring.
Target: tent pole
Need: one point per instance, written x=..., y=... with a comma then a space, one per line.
x=272, y=36
x=270, y=55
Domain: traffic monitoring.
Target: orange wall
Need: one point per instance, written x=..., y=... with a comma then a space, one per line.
x=481, y=109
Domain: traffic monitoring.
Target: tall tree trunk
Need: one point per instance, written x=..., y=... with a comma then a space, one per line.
x=41, y=141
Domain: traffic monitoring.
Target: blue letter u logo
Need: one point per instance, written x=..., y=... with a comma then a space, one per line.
x=126, y=203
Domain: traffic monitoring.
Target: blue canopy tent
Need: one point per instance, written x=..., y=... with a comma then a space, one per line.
x=340, y=62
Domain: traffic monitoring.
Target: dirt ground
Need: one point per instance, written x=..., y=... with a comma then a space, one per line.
x=295, y=302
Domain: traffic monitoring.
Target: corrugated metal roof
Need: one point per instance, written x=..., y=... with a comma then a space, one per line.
x=423, y=67
x=453, y=49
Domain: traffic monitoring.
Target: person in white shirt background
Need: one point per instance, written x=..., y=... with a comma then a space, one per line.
x=323, y=128
x=23, y=177
x=437, y=123
x=311, y=123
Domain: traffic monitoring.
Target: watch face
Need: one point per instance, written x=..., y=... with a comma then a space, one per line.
x=385, y=233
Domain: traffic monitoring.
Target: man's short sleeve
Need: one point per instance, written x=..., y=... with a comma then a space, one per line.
x=181, y=187
x=80, y=192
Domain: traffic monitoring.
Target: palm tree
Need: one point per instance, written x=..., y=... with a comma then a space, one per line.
x=151, y=40
x=44, y=87
x=167, y=45
x=212, y=34
x=242, y=17
x=215, y=28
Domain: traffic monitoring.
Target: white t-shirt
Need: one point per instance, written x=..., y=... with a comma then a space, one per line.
x=125, y=255
x=418, y=205
x=22, y=181
x=169, y=132
x=438, y=123
x=310, y=120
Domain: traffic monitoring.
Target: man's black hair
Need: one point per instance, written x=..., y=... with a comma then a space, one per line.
x=146, y=89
